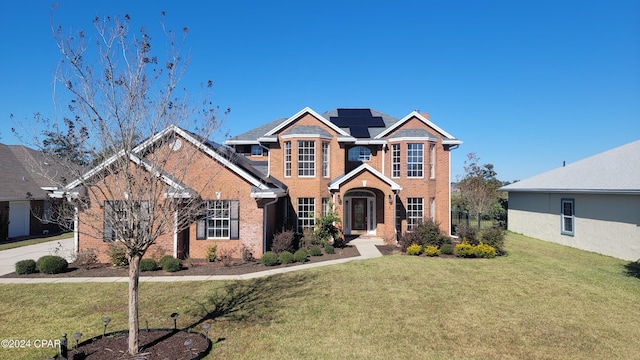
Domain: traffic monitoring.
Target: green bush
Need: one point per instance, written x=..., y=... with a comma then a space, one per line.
x=24, y=267
x=431, y=250
x=408, y=239
x=446, y=249
x=315, y=251
x=414, y=249
x=171, y=264
x=164, y=259
x=117, y=254
x=426, y=233
x=485, y=251
x=148, y=265
x=284, y=241
x=52, y=264
x=329, y=249
x=285, y=257
x=468, y=234
x=211, y=253
x=269, y=258
x=494, y=237
x=464, y=249
x=300, y=255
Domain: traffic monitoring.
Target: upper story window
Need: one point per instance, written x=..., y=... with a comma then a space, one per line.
x=567, y=216
x=432, y=161
x=325, y=159
x=415, y=160
x=359, y=153
x=257, y=150
x=306, y=158
x=287, y=158
x=395, y=160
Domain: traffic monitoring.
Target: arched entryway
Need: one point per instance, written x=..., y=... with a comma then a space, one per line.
x=360, y=212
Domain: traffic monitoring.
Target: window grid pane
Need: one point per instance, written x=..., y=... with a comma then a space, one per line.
x=415, y=212
x=287, y=158
x=306, y=213
x=218, y=219
x=568, y=217
x=306, y=158
x=359, y=153
x=325, y=159
x=414, y=160
x=432, y=161
x=395, y=160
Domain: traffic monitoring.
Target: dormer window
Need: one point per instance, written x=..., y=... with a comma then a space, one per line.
x=256, y=150
x=359, y=153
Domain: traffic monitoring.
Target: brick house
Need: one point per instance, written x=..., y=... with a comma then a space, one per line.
x=383, y=176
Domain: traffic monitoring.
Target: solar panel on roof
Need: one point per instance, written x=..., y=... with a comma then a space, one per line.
x=359, y=131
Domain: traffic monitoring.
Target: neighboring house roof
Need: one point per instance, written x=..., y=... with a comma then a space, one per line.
x=336, y=183
x=24, y=171
x=613, y=171
x=360, y=126
x=263, y=186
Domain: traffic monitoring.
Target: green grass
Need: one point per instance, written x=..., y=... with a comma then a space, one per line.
x=16, y=244
x=543, y=301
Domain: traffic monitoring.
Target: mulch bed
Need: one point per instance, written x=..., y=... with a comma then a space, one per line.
x=156, y=344
x=190, y=267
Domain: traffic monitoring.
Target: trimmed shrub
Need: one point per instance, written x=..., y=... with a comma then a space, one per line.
x=329, y=249
x=431, y=250
x=24, y=267
x=164, y=259
x=429, y=232
x=414, y=249
x=52, y=264
x=285, y=257
x=148, y=265
x=211, y=253
x=495, y=237
x=464, y=249
x=117, y=254
x=446, y=249
x=408, y=239
x=467, y=234
x=315, y=251
x=283, y=241
x=300, y=255
x=485, y=251
x=171, y=264
x=269, y=258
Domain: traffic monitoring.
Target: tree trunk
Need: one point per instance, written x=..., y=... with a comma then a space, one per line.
x=134, y=277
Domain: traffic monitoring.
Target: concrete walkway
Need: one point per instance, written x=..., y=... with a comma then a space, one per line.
x=366, y=247
x=9, y=258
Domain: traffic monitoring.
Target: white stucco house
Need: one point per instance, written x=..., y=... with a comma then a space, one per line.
x=592, y=204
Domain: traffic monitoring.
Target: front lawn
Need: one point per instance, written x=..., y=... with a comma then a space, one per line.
x=542, y=301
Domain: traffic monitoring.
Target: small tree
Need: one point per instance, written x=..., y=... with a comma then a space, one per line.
x=326, y=228
x=478, y=186
x=120, y=90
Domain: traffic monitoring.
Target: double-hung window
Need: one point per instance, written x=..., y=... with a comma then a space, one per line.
x=125, y=220
x=306, y=158
x=395, y=160
x=567, y=216
x=287, y=158
x=432, y=161
x=325, y=159
x=415, y=158
x=415, y=212
x=220, y=220
x=306, y=213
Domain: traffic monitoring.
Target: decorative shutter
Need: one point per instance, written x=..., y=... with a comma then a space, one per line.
x=201, y=229
x=234, y=226
x=108, y=219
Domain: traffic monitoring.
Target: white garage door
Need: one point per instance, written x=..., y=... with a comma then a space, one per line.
x=19, y=218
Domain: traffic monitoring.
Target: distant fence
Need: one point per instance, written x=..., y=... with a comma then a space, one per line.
x=472, y=220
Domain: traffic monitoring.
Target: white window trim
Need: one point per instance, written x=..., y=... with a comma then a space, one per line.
x=563, y=217
x=432, y=160
x=421, y=176
x=312, y=169
x=418, y=219
x=326, y=160
x=396, y=152
x=287, y=159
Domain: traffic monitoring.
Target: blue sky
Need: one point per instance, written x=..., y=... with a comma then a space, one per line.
x=525, y=84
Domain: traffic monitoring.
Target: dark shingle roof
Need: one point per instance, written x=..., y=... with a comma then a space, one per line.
x=413, y=133
x=373, y=131
x=23, y=171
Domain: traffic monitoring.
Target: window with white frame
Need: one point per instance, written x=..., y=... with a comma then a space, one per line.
x=415, y=158
x=220, y=221
x=306, y=213
x=119, y=214
x=415, y=212
x=325, y=206
x=256, y=150
x=567, y=216
x=325, y=159
x=287, y=158
x=306, y=158
x=395, y=160
x=359, y=153
x=432, y=160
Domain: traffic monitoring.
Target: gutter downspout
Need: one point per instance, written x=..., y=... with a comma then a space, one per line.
x=76, y=237
x=175, y=233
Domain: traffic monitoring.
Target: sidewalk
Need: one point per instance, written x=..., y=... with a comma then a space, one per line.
x=366, y=247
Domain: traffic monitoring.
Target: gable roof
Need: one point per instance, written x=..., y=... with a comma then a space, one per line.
x=448, y=138
x=241, y=166
x=21, y=173
x=335, y=184
x=616, y=171
x=299, y=114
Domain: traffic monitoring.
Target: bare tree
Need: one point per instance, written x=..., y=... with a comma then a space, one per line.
x=478, y=186
x=121, y=90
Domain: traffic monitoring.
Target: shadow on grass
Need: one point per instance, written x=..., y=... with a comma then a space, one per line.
x=633, y=269
x=253, y=300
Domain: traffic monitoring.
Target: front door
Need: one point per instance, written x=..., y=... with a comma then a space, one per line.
x=359, y=214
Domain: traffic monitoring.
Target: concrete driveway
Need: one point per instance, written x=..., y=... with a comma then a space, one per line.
x=8, y=258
